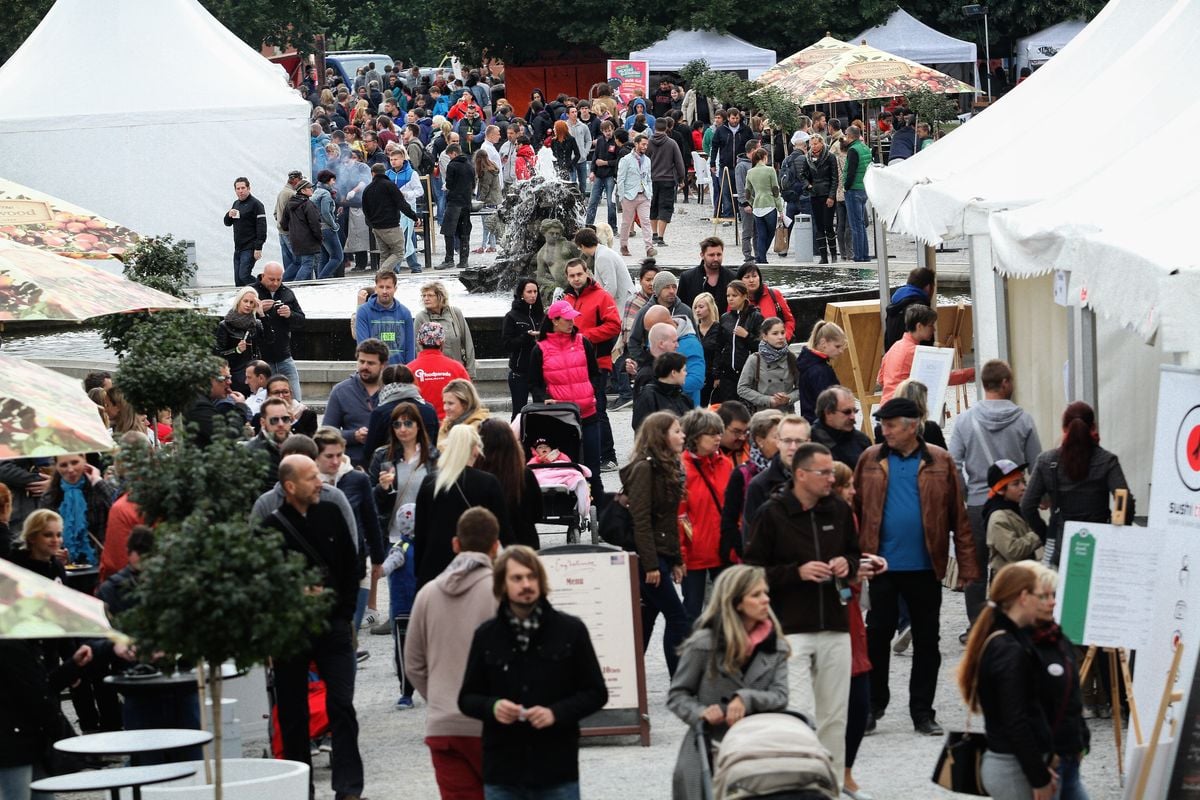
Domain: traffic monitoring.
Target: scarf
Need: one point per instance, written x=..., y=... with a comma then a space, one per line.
x=758, y=459
x=237, y=321
x=523, y=629
x=770, y=354
x=75, y=528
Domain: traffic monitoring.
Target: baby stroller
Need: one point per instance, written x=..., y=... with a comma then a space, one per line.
x=559, y=424
x=770, y=755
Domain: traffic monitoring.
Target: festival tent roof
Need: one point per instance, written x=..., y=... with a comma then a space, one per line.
x=1038, y=48
x=906, y=36
x=721, y=51
x=174, y=108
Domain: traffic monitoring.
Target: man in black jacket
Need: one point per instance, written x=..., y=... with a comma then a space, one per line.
x=276, y=428
x=727, y=141
x=383, y=203
x=456, y=223
x=283, y=315
x=317, y=531
x=808, y=544
x=793, y=431
x=710, y=275
x=665, y=393
x=248, y=218
x=604, y=174
x=302, y=222
x=835, y=426
x=531, y=676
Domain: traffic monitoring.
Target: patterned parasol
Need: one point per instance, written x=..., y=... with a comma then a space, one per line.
x=795, y=70
x=46, y=413
x=32, y=607
x=862, y=73
x=39, y=285
x=30, y=217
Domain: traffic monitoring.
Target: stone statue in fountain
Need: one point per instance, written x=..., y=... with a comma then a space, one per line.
x=552, y=260
x=526, y=208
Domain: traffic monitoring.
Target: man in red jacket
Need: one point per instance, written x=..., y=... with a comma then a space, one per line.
x=600, y=323
x=432, y=369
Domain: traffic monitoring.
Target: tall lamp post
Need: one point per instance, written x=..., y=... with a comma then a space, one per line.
x=982, y=11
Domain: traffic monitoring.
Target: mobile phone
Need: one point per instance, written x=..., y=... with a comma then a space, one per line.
x=843, y=588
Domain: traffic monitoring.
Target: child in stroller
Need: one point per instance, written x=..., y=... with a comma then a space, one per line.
x=570, y=477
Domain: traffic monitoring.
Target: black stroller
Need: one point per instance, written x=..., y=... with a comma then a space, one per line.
x=559, y=424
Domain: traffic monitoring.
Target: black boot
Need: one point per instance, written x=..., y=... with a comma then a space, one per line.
x=824, y=255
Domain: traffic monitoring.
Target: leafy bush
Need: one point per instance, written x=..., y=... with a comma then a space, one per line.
x=158, y=262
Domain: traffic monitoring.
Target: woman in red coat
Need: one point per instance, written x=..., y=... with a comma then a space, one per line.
x=769, y=301
x=706, y=473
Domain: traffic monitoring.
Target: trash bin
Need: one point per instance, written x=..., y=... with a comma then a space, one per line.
x=802, y=238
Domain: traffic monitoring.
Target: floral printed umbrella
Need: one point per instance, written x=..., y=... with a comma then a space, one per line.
x=798, y=68
x=46, y=413
x=38, y=285
x=30, y=217
x=32, y=607
x=862, y=73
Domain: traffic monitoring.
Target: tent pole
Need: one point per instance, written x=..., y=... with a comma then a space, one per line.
x=881, y=253
x=1089, y=388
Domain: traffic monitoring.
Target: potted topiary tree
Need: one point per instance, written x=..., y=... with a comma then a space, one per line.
x=217, y=588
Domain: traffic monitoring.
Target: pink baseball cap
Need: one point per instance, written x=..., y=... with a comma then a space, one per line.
x=561, y=308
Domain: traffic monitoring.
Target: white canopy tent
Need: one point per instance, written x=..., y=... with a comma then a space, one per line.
x=971, y=182
x=906, y=36
x=723, y=52
x=168, y=108
x=1036, y=49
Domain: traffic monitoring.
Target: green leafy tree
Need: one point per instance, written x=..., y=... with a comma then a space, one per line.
x=158, y=262
x=169, y=361
x=932, y=108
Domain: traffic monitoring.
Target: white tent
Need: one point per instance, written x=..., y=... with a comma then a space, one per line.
x=906, y=36
x=158, y=107
x=721, y=51
x=972, y=182
x=1038, y=48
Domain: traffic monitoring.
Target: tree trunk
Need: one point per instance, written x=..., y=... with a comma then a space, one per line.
x=216, y=704
x=206, y=750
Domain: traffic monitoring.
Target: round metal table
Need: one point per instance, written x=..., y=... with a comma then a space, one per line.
x=118, y=743
x=114, y=780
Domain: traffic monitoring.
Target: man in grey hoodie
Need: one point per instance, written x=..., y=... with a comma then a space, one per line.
x=744, y=209
x=440, y=630
x=992, y=429
x=667, y=171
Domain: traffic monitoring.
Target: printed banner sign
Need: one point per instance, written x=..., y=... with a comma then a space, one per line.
x=625, y=77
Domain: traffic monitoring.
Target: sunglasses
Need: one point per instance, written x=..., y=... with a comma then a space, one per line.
x=223, y=378
x=277, y=420
x=403, y=423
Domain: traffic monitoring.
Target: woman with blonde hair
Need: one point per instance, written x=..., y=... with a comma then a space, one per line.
x=462, y=405
x=41, y=549
x=708, y=328
x=827, y=342
x=120, y=413
x=998, y=677
x=458, y=344
x=443, y=497
x=240, y=334
x=733, y=665
x=487, y=191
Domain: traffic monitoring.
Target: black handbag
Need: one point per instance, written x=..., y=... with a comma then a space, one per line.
x=958, y=765
x=616, y=523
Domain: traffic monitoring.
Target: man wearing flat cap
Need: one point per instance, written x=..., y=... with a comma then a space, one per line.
x=909, y=504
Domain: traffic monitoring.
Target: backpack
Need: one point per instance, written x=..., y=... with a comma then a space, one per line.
x=789, y=186
x=426, y=164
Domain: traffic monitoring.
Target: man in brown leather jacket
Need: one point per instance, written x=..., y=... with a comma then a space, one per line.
x=908, y=501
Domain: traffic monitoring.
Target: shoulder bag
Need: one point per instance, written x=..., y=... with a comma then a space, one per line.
x=959, y=763
x=616, y=523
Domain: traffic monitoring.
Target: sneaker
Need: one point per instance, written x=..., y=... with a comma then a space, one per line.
x=414, y=270
x=609, y=466
x=361, y=656
x=928, y=727
x=326, y=745
x=903, y=640
x=651, y=252
x=462, y=264
x=445, y=265
x=662, y=242
x=404, y=703
x=382, y=628
x=870, y=728
x=620, y=403
x=371, y=617
x=656, y=239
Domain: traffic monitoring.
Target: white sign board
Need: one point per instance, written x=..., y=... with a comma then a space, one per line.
x=1107, y=583
x=1175, y=481
x=596, y=588
x=931, y=366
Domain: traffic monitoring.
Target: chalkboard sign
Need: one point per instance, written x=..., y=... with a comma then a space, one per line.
x=1185, y=773
x=599, y=584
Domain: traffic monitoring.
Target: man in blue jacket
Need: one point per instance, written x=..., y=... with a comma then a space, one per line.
x=917, y=290
x=385, y=318
x=352, y=401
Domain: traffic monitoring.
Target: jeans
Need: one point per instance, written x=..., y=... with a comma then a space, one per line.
x=591, y=455
x=819, y=686
x=624, y=385
x=489, y=236
x=285, y=249
x=518, y=389
x=1003, y=778
x=564, y=791
x=747, y=223
x=287, y=368
x=857, y=711
x=1070, y=785
x=975, y=592
x=14, y=784
x=581, y=173
x=694, y=585
x=764, y=234
x=304, y=268
x=439, y=199
x=608, y=451
x=243, y=267
x=843, y=230
x=331, y=247
x=856, y=213
x=923, y=593
x=723, y=195
x=333, y=651
x=603, y=187
x=457, y=766
x=663, y=599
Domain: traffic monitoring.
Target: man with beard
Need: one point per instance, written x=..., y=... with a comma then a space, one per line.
x=352, y=401
x=276, y=427
x=710, y=275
